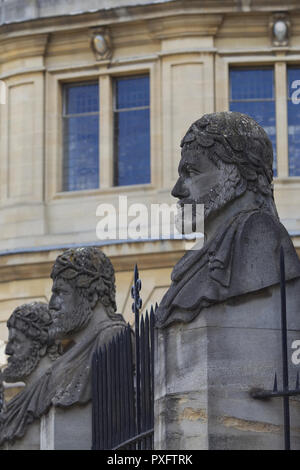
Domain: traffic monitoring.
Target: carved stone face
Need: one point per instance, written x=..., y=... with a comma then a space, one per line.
x=69, y=309
x=23, y=355
x=197, y=175
x=200, y=182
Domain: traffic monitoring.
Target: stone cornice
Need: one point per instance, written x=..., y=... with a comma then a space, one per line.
x=44, y=22
x=193, y=25
x=21, y=47
x=38, y=265
x=154, y=22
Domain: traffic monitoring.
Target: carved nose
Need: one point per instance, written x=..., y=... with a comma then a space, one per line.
x=52, y=303
x=179, y=190
x=8, y=350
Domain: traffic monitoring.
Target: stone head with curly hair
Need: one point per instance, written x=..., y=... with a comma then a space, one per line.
x=224, y=156
x=28, y=340
x=83, y=278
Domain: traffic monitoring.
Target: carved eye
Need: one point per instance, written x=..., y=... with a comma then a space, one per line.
x=191, y=171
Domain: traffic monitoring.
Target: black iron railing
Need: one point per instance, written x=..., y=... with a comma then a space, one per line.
x=113, y=417
x=285, y=393
x=123, y=384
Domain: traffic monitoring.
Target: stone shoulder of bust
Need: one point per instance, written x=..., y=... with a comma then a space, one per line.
x=256, y=261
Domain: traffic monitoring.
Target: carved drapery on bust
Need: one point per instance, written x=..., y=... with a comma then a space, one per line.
x=226, y=165
x=82, y=309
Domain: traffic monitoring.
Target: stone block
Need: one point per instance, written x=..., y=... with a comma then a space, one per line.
x=207, y=368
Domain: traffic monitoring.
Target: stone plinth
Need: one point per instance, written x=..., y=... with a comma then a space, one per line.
x=60, y=429
x=206, y=368
x=67, y=428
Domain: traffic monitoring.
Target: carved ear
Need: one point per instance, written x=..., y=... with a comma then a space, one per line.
x=93, y=299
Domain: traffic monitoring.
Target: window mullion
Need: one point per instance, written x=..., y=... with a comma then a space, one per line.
x=106, y=132
x=281, y=120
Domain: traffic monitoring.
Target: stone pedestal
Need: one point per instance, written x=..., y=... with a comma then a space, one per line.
x=67, y=428
x=60, y=429
x=205, y=370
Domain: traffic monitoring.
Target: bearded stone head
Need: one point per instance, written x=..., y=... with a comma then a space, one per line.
x=224, y=155
x=28, y=340
x=82, y=278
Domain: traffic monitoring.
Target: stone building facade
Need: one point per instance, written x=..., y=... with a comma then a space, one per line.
x=193, y=53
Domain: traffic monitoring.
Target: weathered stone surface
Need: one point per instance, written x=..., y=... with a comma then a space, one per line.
x=82, y=309
x=218, y=332
x=31, y=353
x=30, y=441
x=207, y=368
x=23, y=10
x=66, y=428
x=28, y=342
x=226, y=165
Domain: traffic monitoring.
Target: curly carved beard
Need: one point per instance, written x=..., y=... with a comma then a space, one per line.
x=21, y=367
x=65, y=325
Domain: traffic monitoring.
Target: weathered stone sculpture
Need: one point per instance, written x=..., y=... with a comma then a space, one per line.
x=28, y=342
x=219, y=321
x=226, y=165
x=82, y=309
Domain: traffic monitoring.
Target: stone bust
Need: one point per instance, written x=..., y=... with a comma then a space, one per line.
x=226, y=164
x=28, y=341
x=82, y=309
x=83, y=282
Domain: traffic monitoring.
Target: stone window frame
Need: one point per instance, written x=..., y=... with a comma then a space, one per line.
x=55, y=80
x=280, y=62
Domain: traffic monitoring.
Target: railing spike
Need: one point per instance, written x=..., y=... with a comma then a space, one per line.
x=297, y=381
x=136, y=272
x=275, y=388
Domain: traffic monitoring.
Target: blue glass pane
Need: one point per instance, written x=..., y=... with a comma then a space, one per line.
x=294, y=138
x=81, y=161
x=248, y=84
x=82, y=98
x=132, y=92
x=264, y=113
x=294, y=121
x=293, y=75
x=132, y=130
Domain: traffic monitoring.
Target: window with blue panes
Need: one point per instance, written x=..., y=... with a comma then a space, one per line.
x=252, y=92
x=80, y=136
x=293, y=73
x=131, y=131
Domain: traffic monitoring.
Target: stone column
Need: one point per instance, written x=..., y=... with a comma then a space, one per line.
x=205, y=370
